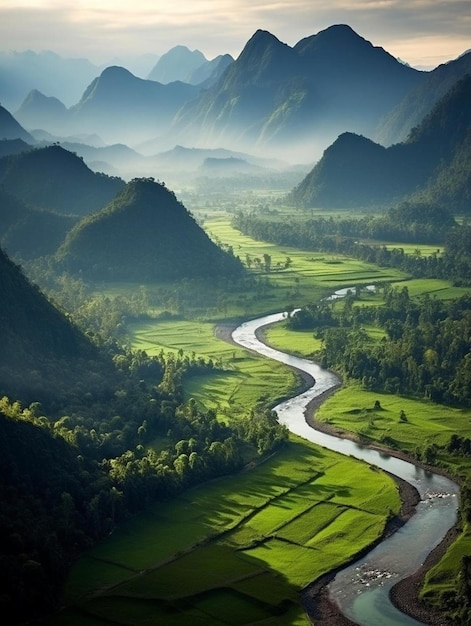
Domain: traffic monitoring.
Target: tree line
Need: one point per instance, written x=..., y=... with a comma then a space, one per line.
x=351, y=237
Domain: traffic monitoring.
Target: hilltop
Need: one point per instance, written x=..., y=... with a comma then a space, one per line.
x=144, y=234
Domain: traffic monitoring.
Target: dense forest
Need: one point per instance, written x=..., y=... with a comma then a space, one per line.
x=425, y=350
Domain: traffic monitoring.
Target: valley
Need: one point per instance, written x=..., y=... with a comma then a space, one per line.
x=151, y=471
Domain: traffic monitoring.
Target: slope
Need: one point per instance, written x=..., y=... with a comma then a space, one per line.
x=44, y=357
x=145, y=234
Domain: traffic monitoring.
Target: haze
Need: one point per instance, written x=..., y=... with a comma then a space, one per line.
x=423, y=33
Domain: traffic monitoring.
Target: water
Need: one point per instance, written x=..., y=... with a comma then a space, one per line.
x=362, y=589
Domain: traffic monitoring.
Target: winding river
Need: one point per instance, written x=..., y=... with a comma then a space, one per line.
x=361, y=590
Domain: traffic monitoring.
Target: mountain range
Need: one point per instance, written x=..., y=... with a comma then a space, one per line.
x=282, y=98
x=287, y=102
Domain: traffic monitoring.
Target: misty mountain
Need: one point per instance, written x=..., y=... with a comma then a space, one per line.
x=21, y=72
x=118, y=157
x=55, y=179
x=209, y=73
x=229, y=166
x=40, y=111
x=123, y=108
x=11, y=129
x=433, y=164
x=397, y=124
x=177, y=64
x=275, y=96
x=145, y=234
x=191, y=159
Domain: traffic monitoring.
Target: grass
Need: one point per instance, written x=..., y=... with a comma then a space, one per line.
x=237, y=550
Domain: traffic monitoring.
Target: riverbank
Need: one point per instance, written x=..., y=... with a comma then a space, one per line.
x=405, y=594
x=315, y=598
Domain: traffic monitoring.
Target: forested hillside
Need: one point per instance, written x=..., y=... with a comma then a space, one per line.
x=76, y=424
x=144, y=234
x=44, y=357
x=29, y=233
x=57, y=180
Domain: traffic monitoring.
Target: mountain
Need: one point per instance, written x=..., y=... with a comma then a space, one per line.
x=115, y=158
x=11, y=129
x=433, y=164
x=177, y=64
x=13, y=146
x=55, y=179
x=278, y=97
x=209, y=73
x=27, y=233
x=40, y=111
x=21, y=72
x=125, y=109
x=229, y=166
x=43, y=357
x=145, y=234
x=397, y=124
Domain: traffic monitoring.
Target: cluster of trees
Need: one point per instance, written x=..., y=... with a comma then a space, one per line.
x=425, y=350
x=342, y=237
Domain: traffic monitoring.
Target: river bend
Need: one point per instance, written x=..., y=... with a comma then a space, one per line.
x=361, y=590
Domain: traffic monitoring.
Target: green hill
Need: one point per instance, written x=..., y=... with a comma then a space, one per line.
x=58, y=180
x=145, y=234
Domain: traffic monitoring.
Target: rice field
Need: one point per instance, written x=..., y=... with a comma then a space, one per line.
x=235, y=551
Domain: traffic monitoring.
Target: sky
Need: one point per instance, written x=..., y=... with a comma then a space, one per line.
x=423, y=33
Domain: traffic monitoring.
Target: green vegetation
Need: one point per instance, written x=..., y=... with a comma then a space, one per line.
x=57, y=180
x=143, y=235
x=231, y=551
x=234, y=387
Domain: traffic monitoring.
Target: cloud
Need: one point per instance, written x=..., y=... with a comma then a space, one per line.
x=419, y=31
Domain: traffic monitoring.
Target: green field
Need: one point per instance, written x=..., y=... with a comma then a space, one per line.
x=235, y=551
x=239, y=550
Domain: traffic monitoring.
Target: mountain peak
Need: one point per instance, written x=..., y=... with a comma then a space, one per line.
x=264, y=53
x=340, y=37
x=176, y=64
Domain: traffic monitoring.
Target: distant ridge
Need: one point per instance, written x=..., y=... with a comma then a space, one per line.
x=177, y=64
x=118, y=106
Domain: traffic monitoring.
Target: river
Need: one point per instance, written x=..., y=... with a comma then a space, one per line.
x=361, y=590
